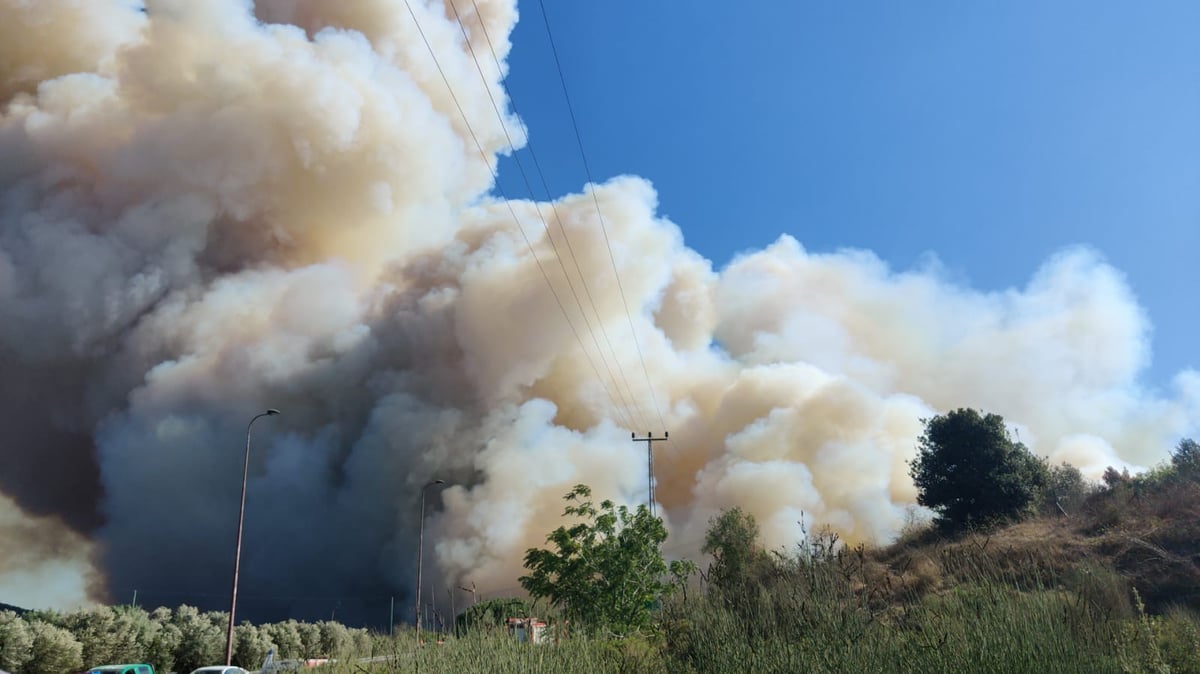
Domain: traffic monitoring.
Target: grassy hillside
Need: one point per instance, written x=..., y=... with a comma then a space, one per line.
x=1111, y=586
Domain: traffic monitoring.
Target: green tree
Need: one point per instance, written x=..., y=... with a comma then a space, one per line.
x=607, y=570
x=1186, y=459
x=53, y=651
x=1065, y=489
x=202, y=640
x=249, y=646
x=16, y=641
x=310, y=640
x=285, y=637
x=361, y=642
x=335, y=638
x=971, y=472
x=163, y=640
x=732, y=540
x=491, y=613
x=110, y=634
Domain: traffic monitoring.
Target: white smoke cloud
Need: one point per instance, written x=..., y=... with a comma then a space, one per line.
x=211, y=208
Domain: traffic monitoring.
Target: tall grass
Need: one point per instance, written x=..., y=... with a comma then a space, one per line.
x=495, y=651
x=829, y=610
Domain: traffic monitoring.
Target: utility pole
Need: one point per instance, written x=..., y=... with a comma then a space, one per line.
x=650, y=440
x=392, y=617
x=474, y=596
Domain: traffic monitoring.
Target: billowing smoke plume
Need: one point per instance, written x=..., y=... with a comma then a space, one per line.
x=209, y=208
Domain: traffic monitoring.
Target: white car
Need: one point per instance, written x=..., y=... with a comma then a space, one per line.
x=220, y=669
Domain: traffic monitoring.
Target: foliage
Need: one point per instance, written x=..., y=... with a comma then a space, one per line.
x=1185, y=460
x=53, y=651
x=249, y=646
x=1138, y=644
x=607, y=570
x=109, y=634
x=732, y=540
x=16, y=641
x=1179, y=640
x=171, y=640
x=162, y=642
x=1114, y=478
x=1065, y=490
x=971, y=472
x=202, y=641
x=491, y=613
x=335, y=638
x=310, y=640
x=286, y=637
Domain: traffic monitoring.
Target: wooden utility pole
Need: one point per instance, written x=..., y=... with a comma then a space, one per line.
x=650, y=440
x=474, y=594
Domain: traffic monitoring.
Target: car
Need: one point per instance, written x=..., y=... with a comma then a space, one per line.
x=142, y=668
x=220, y=669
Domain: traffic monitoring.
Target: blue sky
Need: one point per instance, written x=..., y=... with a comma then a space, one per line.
x=992, y=134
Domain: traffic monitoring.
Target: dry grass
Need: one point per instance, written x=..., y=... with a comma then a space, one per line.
x=1147, y=534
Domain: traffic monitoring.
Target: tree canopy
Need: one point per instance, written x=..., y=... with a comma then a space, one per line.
x=607, y=570
x=970, y=471
x=732, y=540
x=1185, y=459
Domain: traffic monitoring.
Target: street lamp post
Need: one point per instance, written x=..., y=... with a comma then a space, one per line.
x=237, y=555
x=421, y=554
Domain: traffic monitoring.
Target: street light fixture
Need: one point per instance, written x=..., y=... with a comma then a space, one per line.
x=421, y=553
x=237, y=555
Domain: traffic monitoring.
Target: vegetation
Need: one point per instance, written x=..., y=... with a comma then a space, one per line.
x=738, y=559
x=607, y=570
x=1082, y=578
x=971, y=472
x=180, y=640
x=491, y=614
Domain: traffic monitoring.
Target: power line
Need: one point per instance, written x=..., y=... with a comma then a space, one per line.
x=553, y=207
x=596, y=200
x=512, y=212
